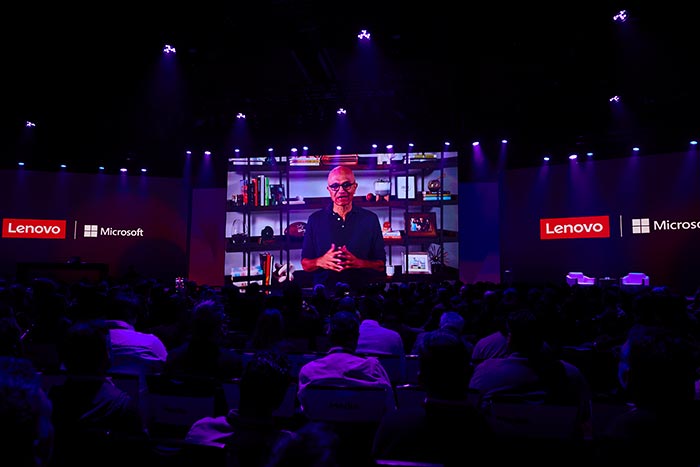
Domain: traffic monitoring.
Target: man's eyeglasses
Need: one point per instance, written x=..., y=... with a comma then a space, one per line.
x=346, y=186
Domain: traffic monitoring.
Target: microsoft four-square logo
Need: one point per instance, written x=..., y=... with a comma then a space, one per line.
x=90, y=231
x=640, y=226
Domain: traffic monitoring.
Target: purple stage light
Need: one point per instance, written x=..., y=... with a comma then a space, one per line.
x=614, y=99
x=341, y=111
x=30, y=124
x=363, y=35
x=240, y=115
x=168, y=49
x=621, y=17
x=573, y=156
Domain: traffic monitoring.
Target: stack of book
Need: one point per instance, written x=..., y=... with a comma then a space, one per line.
x=305, y=160
x=439, y=196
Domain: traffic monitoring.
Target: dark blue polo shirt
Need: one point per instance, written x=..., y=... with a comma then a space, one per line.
x=361, y=233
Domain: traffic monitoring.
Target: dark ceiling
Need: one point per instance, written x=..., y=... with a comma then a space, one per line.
x=95, y=82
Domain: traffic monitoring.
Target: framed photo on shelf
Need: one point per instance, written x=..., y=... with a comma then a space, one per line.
x=418, y=263
x=402, y=184
x=420, y=224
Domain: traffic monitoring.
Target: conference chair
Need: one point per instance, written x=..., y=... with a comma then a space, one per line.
x=579, y=278
x=635, y=279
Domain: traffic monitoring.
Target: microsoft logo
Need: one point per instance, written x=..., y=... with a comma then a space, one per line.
x=90, y=231
x=640, y=226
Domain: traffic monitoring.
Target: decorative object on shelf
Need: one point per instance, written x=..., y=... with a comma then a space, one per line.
x=266, y=261
x=437, y=256
x=406, y=187
x=267, y=235
x=382, y=187
x=388, y=233
x=340, y=159
x=238, y=231
x=418, y=263
x=435, y=185
x=296, y=229
x=277, y=195
x=283, y=272
x=421, y=224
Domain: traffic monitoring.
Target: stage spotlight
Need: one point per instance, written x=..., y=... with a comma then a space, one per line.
x=341, y=111
x=693, y=143
x=620, y=17
x=363, y=35
x=635, y=149
x=475, y=143
x=21, y=164
x=30, y=124
x=168, y=49
x=573, y=156
x=504, y=141
x=240, y=115
x=545, y=158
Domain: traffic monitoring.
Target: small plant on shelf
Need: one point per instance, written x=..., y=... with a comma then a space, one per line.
x=437, y=254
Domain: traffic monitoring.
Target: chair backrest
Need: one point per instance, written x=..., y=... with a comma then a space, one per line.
x=409, y=395
x=573, y=277
x=518, y=418
x=174, y=403
x=287, y=409
x=394, y=365
x=412, y=366
x=344, y=404
x=635, y=278
x=297, y=360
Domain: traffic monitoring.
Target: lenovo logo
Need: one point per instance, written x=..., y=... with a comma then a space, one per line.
x=33, y=228
x=575, y=227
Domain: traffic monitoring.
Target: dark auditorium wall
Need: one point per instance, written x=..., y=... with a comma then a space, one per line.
x=125, y=204
x=649, y=204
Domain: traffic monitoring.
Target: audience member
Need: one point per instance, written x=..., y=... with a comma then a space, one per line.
x=450, y=322
x=133, y=351
x=26, y=431
x=531, y=368
x=88, y=400
x=377, y=340
x=10, y=337
x=656, y=373
x=249, y=431
x=204, y=354
x=341, y=366
x=315, y=444
x=448, y=428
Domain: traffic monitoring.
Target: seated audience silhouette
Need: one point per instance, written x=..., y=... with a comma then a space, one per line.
x=26, y=431
x=341, y=366
x=656, y=372
x=531, y=368
x=204, y=354
x=374, y=338
x=133, y=351
x=88, y=401
x=313, y=444
x=250, y=431
x=448, y=427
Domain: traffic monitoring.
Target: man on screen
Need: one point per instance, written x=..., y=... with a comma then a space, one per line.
x=343, y=243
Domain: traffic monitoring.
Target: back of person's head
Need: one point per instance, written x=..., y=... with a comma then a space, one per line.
x=269, y=329
x=264, y=383
x=524, y=332
x=207, y=320
x=292, y=293
x=656, y=367
x=452, y=321
x=344, y=330
x=10, y=337
x=315, y=444
x=125, y=306
x=85, y=349
x=371, y=307
x=26, y=431
x=346, y=303
x=443, y=366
